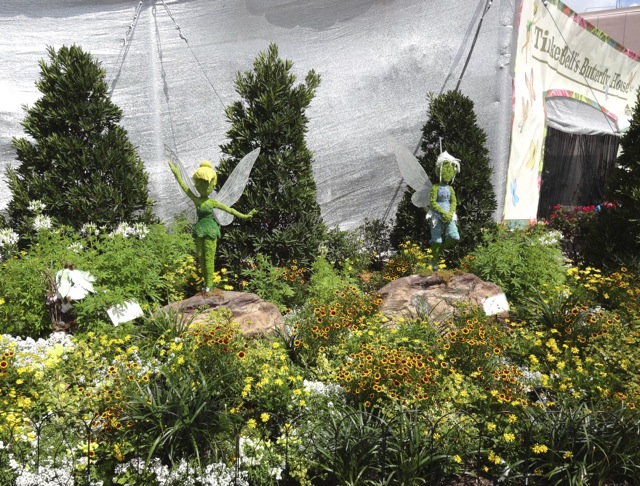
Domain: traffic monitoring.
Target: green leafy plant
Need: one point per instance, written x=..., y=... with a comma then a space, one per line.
x=182, y=406
x=269, y=282
x=344, y=250
x=153, y=268
x=519, y=260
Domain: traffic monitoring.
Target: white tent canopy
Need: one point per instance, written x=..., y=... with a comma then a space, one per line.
x=171, y=66
x=574, y=116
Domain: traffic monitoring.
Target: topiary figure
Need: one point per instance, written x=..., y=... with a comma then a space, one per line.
x=213, y=210
x=452, y=120
x=441, y=202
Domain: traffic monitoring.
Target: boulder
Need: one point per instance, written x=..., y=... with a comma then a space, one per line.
x=434, y=296
x=254, y=315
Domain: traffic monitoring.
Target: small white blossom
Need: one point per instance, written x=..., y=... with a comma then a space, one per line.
x=89, y=229
x=551, y=238
x=123, y=230
x=75, y=247
x=139, y=230
x=36, y=206
x=41, y=222
x=8, y=237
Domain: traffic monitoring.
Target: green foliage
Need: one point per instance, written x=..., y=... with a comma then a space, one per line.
x=616, y=233
x=375, y=237
x=153, y=269
x=343, y=249
x=271, y=115
x=452, y=119
x=278, y=285
x=325, y=281
x=180, y=408
x=76, y=159
x=519, y=260
x=575, y=224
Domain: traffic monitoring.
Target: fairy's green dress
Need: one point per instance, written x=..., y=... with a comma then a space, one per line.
x=206, y=227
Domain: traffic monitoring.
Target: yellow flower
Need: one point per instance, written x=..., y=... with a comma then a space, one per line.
x=457, y=459
x=491, y=426
x=508, y=437
x=252, y=424
x=264, y=417
x=539, y=449
x=567, y=455
x=2, y=301
x=493, y=457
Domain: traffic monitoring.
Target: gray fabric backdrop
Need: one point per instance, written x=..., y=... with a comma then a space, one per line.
x=378, y=59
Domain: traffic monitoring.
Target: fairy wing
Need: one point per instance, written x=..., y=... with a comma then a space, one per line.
x=413, y=174
x=234, y=187
x=173, y=157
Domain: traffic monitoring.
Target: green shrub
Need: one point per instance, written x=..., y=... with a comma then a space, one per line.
x=344, y=250
x=271, y=115
x=278, y=285
x=151, y=265
x=325, y=281
x=76, y=159
x=520, y=260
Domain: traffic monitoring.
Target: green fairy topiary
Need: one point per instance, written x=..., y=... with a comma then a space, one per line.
x=215, y=209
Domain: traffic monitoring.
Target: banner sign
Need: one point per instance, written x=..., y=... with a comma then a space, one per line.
x=558, y=53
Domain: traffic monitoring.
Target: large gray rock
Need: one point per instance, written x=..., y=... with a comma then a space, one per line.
x=434, y=296
x=254, y=315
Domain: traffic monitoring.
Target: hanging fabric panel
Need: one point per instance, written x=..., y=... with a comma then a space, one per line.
x=575, y=169
x=574, y=116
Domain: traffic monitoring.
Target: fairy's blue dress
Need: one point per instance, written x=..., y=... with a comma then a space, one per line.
x=443, y=198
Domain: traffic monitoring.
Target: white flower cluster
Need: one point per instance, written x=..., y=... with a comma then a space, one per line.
x=48, y=473
x=218, y=474
x=36, y=206
x=325, y=389
x=551, y=237
x=34, y=352
x=75, y=247
x=89, y=229
x=8, y=237
x=255, y=454
x=137, y=230
x=41, y=222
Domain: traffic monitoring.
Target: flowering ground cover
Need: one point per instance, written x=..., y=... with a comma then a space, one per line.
x=342, y=395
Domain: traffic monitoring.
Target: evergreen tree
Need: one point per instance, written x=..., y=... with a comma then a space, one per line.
x=452, y=119
x=615, y=235
x=271, y=115
x=77, y=160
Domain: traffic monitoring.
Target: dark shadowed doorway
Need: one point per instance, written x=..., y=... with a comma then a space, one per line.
x=579, y=152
